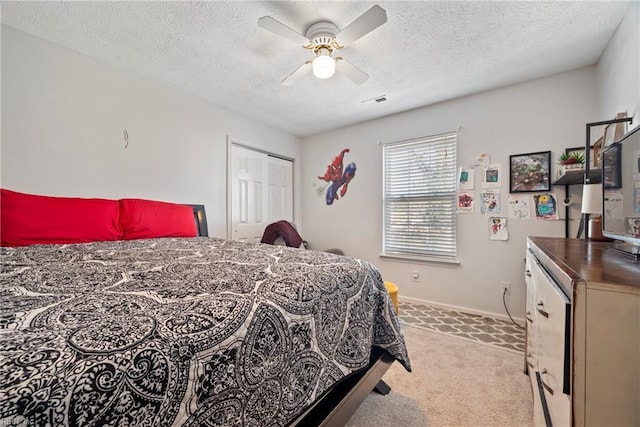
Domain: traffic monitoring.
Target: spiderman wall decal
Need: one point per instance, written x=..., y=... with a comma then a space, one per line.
x=338, y=176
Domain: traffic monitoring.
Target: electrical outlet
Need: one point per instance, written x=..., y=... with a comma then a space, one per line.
x=505, y=286
x=415, y=275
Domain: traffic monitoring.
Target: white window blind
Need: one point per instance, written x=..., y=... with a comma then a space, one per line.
x=419, y=199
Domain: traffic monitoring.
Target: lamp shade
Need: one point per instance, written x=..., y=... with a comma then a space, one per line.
x=324, y=66
x=592, y=199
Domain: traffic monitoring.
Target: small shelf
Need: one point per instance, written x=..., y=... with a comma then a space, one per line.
x=577, y=177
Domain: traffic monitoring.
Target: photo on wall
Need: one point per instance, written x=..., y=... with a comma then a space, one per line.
x=492, y=176
x=519, y=206
x=490, y=202
x=530, y=172
x=498, y=228
x=465, y=202
x=466, y=178
x=546, y=206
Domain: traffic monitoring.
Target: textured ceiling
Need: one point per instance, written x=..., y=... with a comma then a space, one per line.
x=427, y=52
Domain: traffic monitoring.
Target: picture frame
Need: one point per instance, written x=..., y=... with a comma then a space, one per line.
x=597, y=152
x=592, y=155
x=614, y=131
x=530, y=172
x=611, y=169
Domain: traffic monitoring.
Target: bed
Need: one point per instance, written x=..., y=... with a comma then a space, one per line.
x=193, y=331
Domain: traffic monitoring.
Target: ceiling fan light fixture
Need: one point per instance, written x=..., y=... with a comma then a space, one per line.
x=323, y=39
x=324, y=66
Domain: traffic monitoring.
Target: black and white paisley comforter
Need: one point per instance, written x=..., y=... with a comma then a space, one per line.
x=189, y=332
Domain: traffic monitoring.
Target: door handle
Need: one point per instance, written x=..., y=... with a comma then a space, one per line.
x=540, y=309
x=544, y=384
x=529, y=362
x=527, y=273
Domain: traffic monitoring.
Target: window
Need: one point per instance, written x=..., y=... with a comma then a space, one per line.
x=419, y=199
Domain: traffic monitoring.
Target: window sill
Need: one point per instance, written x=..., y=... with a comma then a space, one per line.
x=419, y=259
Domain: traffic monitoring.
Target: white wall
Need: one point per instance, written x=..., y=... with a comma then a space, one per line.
x=547, y=114
x=618, y=71
x=63, y=119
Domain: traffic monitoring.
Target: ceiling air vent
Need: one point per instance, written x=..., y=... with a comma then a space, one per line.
x=377, y=99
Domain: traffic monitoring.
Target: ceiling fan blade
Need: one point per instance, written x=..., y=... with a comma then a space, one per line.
x=277, y=27
x=367, y=22
x=348, y=69
x=299, y=72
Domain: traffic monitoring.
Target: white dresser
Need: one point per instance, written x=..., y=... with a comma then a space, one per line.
x=583, y=333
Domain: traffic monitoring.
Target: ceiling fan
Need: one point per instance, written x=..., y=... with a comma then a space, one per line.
x=323, y=39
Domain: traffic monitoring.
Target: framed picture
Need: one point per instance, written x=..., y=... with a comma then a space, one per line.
x=597, y=152
x=614, y=131
x=530, y=172
x=592, y=155
x=611, y=168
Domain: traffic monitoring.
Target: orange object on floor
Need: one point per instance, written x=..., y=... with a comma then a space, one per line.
x=392, y=288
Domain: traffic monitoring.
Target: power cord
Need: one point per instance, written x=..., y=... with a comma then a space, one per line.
x=504, y=302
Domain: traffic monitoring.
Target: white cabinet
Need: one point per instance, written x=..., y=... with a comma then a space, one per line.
x=583, y=333
x=548, y=322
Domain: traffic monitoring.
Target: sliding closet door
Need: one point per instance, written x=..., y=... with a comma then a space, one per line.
x=280, y=189
x=261, y=190
x=249, y=190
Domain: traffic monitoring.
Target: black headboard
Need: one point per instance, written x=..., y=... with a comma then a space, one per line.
x=200, y=218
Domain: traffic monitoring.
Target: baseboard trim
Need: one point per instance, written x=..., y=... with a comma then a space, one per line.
x=461, y=309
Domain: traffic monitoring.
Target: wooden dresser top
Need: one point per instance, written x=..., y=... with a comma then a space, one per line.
x=590, y=261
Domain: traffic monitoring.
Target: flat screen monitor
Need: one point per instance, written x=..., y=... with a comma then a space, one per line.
x=621, y=192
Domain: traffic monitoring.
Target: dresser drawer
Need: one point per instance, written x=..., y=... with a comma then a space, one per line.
x=531, y=356
x=552, y=320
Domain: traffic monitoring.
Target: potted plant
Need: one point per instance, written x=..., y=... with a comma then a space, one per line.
x=572, y=161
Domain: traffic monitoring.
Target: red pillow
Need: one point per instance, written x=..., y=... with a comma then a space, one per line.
x=146, y=219
x=27, y=219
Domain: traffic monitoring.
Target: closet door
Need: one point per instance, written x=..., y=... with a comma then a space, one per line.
x=260, y=192
x=249, y=194
x=280, y=197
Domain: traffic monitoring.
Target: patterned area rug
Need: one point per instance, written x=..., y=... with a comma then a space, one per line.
x=473, y=327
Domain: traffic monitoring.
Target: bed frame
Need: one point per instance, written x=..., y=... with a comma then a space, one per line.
x=200, y=217
x=340, y=402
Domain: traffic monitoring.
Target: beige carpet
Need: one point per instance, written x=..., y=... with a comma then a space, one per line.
x=454, y=383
